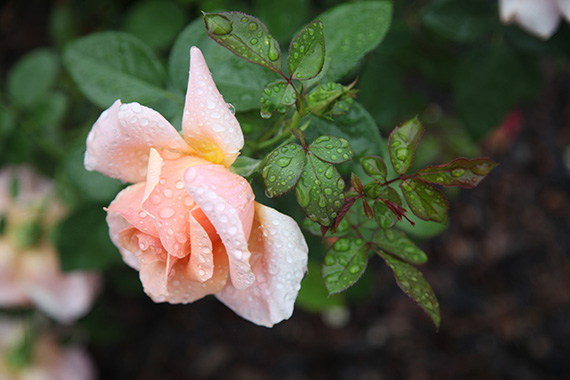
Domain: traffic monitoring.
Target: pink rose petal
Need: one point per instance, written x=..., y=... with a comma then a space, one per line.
x=201, y=264
x=128, y=204
x=64, y=297
x=564, y=6
x=208, y=124
x=226, y=199
x=117, y=224
x=279, y=262
x=166, y=282
x=11, y=293
x=540, y=18
x=169, y=204
x=119, y=142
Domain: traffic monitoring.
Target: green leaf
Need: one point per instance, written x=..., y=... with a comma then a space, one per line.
x=413, y=283
x=489, y=83
x=83, y=240
x=385, y=217
x=45, y=119
x=283, y=18
x=402, y=144
x=320, y=191
x=397, y=243
x=313, y=295
x=330, y=99
x=315, y=229
x=246, y=37
x=461, y=21
x=356, y=126
x=352, y=30
x=307, y=52
x=245, y=166
x=344, y=263
x=282, y=170
x=277, y=96
x=461, y=172
x=331, y=149
x=238, y=81
x=425, y=201
x=108, y=66
x=375, y=167
x=156, y=22
x=32, y=76
x=7, y=122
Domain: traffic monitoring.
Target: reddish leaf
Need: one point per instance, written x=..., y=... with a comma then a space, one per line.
x=461, y=172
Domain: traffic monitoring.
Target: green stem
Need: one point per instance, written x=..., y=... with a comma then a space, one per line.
x=295, y=120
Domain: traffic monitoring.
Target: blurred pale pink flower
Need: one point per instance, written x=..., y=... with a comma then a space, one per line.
x=188, y=224
x=539, y=17
x=30, y=273
x=47, y=359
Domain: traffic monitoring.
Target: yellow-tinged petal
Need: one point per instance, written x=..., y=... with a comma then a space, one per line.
x=208, y=124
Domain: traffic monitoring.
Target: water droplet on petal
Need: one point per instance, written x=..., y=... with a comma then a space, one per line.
x=166, y=212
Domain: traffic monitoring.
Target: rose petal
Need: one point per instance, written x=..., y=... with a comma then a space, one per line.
x=144, y=247
x=119, y=142
x=564, y=6
x=208, y=124
x=128, y=204
x=279, y=261
x=175, y=287
x=540, y=18
x=232, y=188
x=117, y=224
x=64, y=297
x=201, y=264
x=75, y=364
x=168, y=203
x=11, y=293
x=203, y=183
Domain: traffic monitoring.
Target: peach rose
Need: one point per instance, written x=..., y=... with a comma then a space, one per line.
x=188, y=224
x=47, y=360
x=539, y=17
x=29, y=265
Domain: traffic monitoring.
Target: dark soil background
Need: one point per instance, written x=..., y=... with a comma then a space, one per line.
x=501, y=272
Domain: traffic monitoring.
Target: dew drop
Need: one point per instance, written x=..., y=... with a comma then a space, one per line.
x=166, y=212
x=342, y=244
x=252, y=26
x=402, y=153
x=303, y=195
x=283, y=161
x=329, y=172
x=273, y=52
x=457, y=172
x=354, y=269
x=218, y=25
